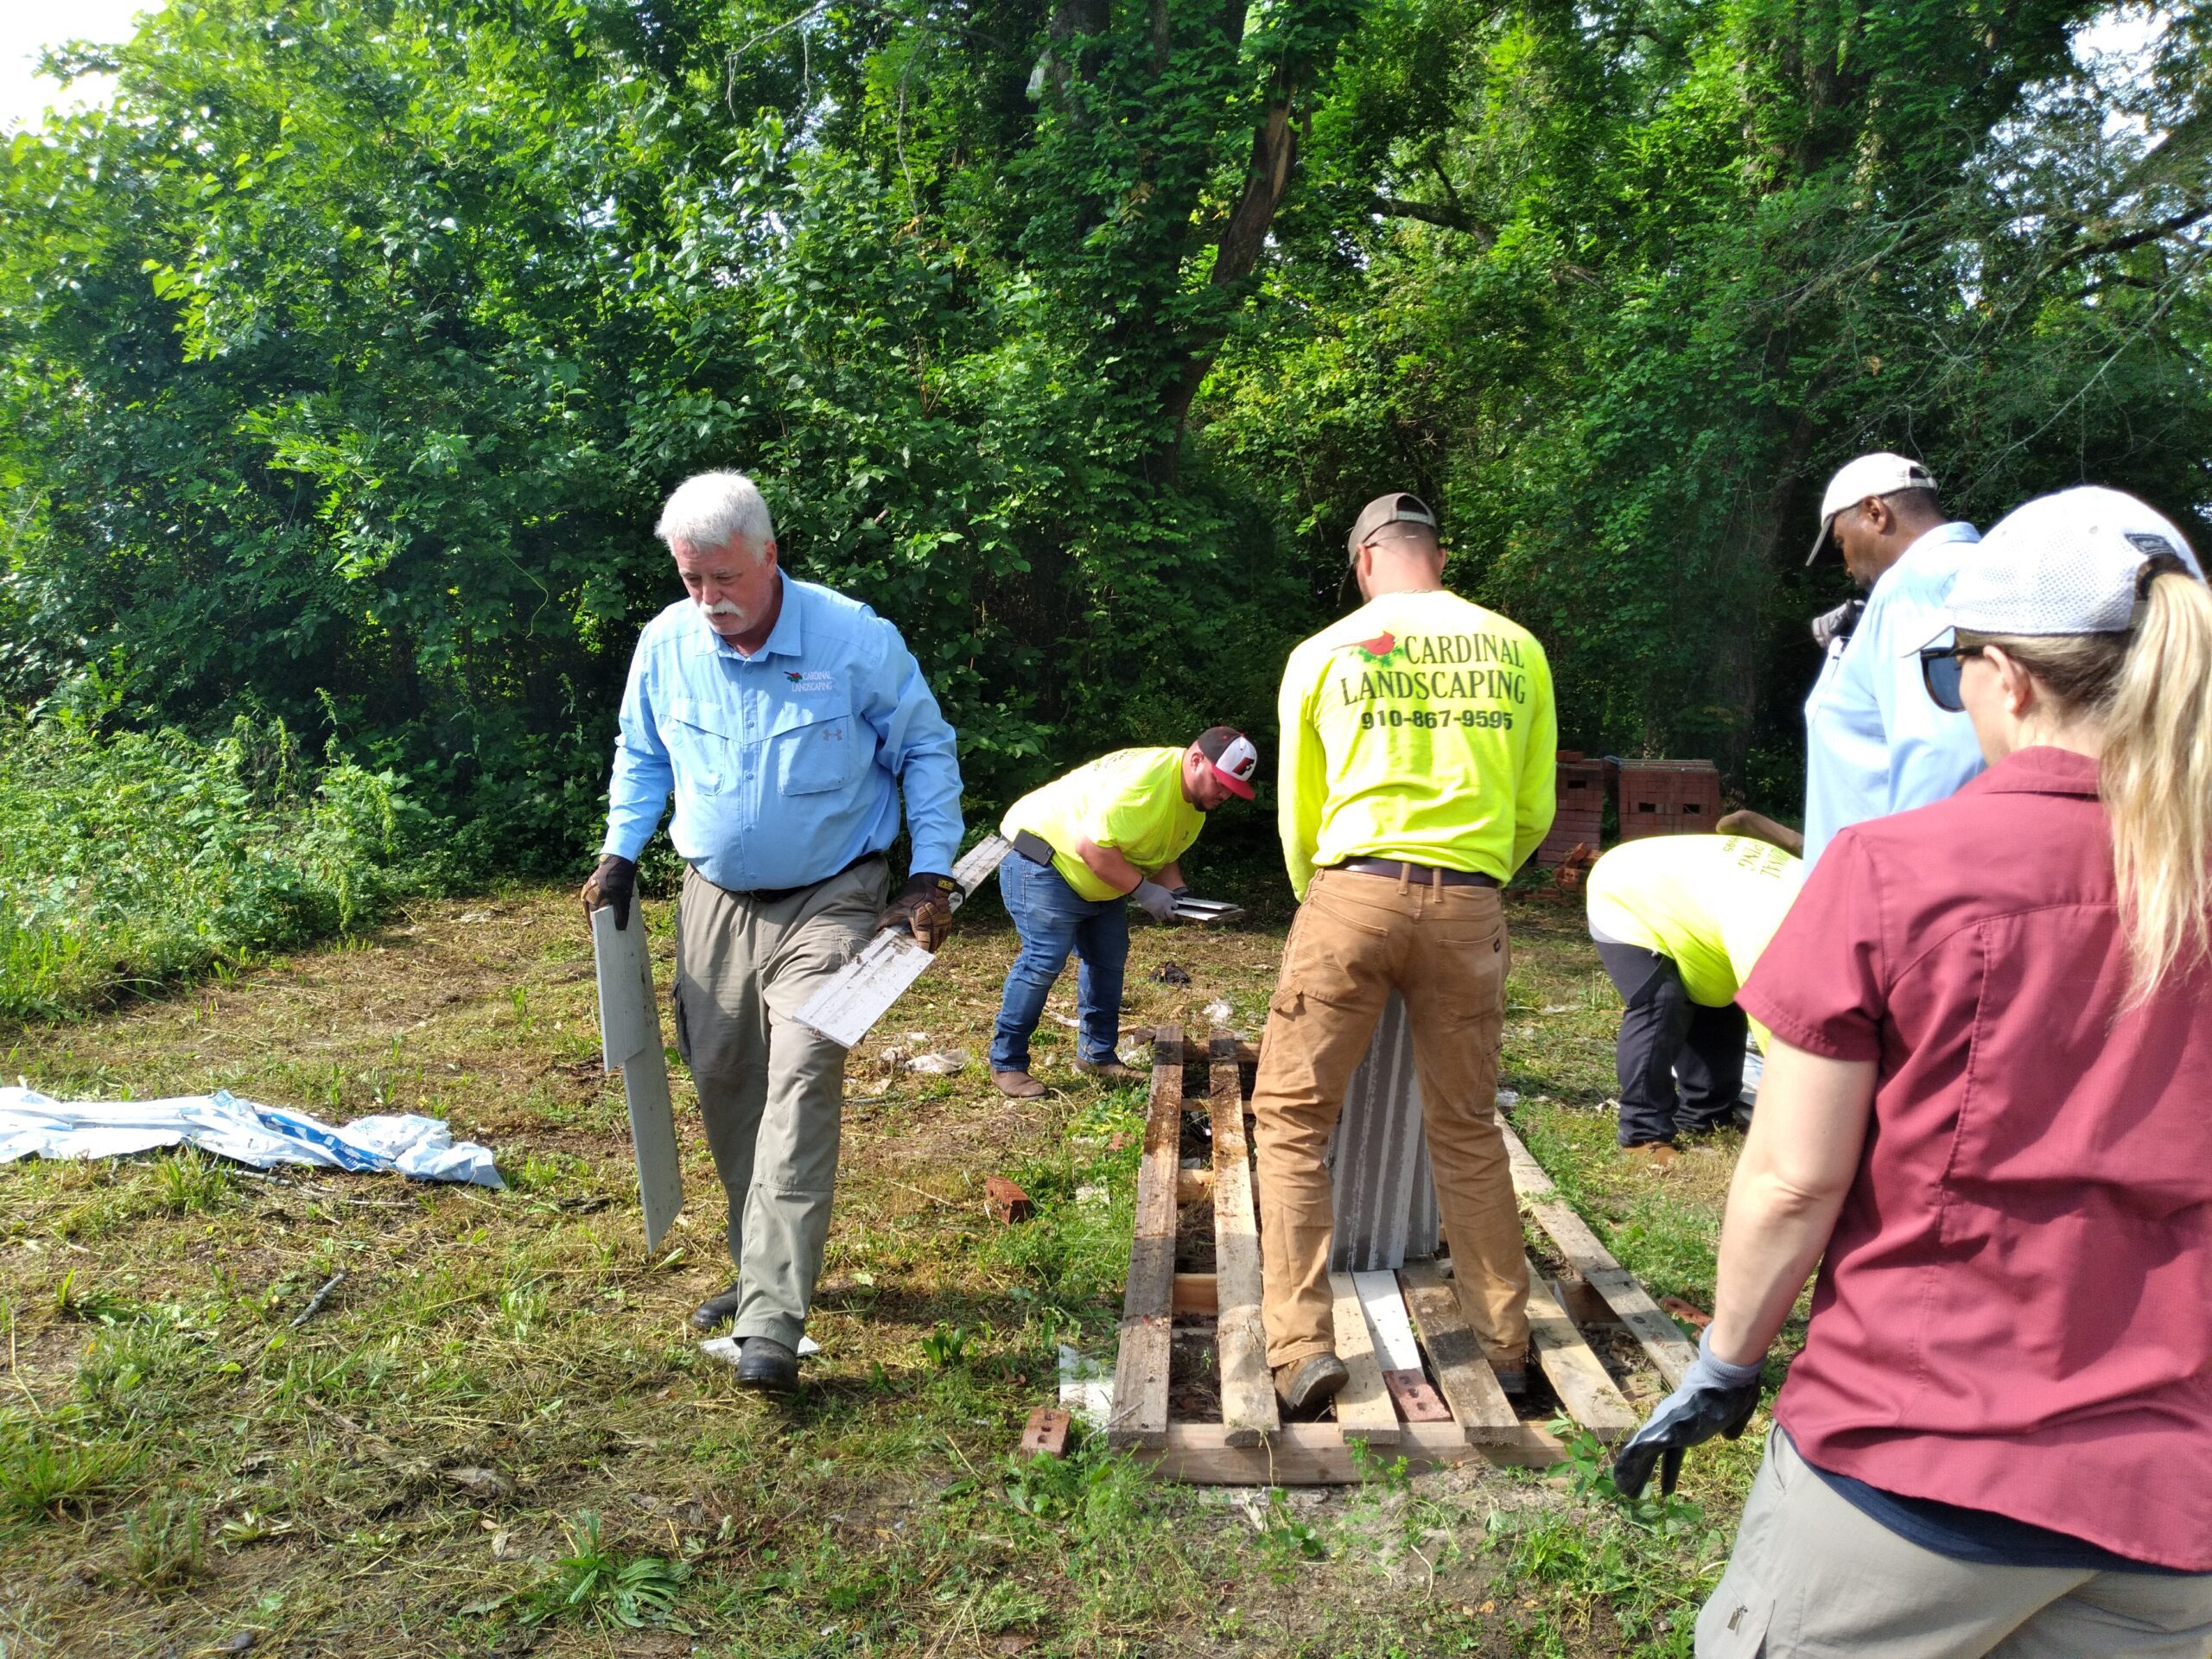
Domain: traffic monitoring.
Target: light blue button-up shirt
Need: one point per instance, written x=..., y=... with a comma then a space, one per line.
x=787, y=764
x=1876, y=743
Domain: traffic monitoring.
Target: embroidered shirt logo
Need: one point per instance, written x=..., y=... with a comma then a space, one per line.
x=812, y=681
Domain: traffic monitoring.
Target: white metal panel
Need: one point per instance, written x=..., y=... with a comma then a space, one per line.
x=846, y=1009
x=1388, y=1321
x=629, y=1026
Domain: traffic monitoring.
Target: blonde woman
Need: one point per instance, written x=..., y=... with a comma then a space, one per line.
x=1987, y=1116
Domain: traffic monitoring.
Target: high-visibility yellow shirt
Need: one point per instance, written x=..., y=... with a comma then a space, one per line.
x=1130, y=800
x=1710, y=903
x=1419, y=727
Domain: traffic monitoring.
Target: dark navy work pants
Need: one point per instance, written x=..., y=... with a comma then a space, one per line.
x=1664, y=1037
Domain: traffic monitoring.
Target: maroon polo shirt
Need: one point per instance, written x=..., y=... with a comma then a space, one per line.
x=2015, y=1311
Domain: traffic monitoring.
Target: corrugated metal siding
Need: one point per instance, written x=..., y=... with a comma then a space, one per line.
x=1378, y=1158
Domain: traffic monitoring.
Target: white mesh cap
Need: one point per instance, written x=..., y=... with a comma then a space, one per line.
x=2065, y=563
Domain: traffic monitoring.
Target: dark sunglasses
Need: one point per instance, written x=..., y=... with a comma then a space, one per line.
x=1940, y=667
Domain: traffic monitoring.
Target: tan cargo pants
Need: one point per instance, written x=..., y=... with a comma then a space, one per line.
x=1443, y=949
x=1810, y=1574
x=771, y=1092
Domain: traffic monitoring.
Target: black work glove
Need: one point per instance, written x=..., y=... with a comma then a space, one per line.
x=924, y=908
x=1715, y=1398
x=611, y=886
x=1838, y=624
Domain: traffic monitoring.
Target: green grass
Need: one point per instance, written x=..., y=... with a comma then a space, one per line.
x=499, y=1431
x=134, y=861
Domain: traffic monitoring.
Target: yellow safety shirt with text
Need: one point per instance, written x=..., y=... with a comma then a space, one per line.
x=1709, y=903
x=1419, y=727
x=1130, y=800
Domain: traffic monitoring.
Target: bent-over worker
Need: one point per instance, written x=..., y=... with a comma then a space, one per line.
x=1418, y=740
x=787, y=718
x=1111, y=831
x=1985, y=1119
x=1678, y=921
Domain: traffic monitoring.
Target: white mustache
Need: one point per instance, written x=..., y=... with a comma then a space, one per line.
x=724, y=608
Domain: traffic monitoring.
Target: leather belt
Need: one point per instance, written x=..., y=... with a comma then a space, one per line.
x=777, y=895
x=1419, y=875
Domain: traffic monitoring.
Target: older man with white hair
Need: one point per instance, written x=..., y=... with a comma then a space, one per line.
x=787, y=720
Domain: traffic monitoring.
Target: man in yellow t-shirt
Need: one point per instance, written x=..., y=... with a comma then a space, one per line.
x=1678, y=921
x=1417, y=771
x=1111, y=830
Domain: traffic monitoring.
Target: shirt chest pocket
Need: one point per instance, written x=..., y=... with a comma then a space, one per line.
x=814, y=747
x=701, y=741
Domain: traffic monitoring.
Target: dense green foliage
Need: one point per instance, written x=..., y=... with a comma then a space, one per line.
x=133, y=862
x=344, y=360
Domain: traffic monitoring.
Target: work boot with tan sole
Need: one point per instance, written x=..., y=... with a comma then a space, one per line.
x=1305, y=1386
x=1018, y=1085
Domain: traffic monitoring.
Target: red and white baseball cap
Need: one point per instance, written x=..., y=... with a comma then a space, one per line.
x=1235, y=759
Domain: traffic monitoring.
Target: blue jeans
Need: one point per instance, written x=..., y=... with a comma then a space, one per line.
x=1052, y=919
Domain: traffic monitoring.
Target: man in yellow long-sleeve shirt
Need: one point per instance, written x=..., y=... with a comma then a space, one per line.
x=1418, y=755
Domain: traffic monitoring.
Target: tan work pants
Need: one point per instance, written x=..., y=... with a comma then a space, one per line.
x=771, y=1090
x=1812, y=1575
x=1443, y=949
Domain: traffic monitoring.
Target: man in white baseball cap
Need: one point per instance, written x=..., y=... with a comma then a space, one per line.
x=1874, y=744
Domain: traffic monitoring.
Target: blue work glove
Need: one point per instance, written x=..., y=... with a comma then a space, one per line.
x=1154, y=900
x=1715, y=1398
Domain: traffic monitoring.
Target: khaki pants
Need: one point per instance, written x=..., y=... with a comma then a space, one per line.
x=1812, y=1575
x=771, y=1090
x=1443, y=947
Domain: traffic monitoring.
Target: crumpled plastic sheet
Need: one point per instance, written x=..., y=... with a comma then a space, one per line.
x=35, y=1125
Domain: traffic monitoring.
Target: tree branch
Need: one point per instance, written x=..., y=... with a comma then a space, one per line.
x=1429, y=213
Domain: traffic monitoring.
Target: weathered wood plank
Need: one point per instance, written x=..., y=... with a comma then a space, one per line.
x=1315, y=1454
x=1141, y=1371
x=1661, y=1339
x=1248, y=1389
x=1577, y=1375
x=1364, y=1408
x=1463, y=1375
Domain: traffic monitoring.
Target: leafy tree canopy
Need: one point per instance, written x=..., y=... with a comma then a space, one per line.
x=345, y=358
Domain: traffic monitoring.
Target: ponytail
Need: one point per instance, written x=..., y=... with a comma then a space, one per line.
x=2149, y=691
x=2156, y=779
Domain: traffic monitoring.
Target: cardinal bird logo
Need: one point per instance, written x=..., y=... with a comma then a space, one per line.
x=1379, y=648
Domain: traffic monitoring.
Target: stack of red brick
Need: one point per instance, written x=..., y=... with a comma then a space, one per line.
x=1581, y=808
x=1667, y=797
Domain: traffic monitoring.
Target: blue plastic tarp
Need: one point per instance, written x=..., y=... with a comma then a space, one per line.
x=33, y=1125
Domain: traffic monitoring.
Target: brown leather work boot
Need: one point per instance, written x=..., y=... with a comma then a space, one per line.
x=1018, y=1085
x=1513, y=1376
x=1305, y=1386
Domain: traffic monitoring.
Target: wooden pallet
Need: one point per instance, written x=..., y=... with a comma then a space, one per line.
x=1389, y=1408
